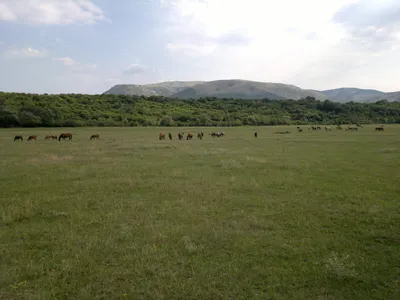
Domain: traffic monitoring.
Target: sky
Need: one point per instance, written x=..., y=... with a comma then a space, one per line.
x=87, y=46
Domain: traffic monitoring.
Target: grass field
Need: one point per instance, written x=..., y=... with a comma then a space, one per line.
x=311, y=215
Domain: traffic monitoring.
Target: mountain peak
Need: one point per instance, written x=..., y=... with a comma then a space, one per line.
x=247, y=89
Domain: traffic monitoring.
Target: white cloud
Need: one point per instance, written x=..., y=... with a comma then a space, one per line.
x=25, y=53
x=135, y=69
x=75, y=65
x=67, y=61
x=192, y=49
x=51, y=11
x=280, y=41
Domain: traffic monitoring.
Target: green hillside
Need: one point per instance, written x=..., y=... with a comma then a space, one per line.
x=31, y=110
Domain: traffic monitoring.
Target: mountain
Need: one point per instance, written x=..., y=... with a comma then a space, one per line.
x=245, y=89
x=353, y=94
x=166, y=88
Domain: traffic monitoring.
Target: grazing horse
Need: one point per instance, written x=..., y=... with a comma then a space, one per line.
x=161, y=136
x=189, y=136
x=199, y=136
x=339, y=127
x=32, y=137
x=300, y=129
x=53, y=137
x=218, y=134
x=65, y=135
x=327, y=129
x=255, y=134
x=95, y=137
x=18, y=138
x=180, y=136
x=170, y=136
x=379, y=129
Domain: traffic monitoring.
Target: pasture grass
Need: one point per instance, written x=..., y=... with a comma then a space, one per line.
x=310, y=215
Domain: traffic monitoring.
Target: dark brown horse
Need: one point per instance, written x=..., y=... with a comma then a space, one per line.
x=170, y=136
x=95, y=137
x=255, y=134
x=379, y=129
x=32, y=137
x=18, y=138
x=180, y=136
x=199, y=136
x=65, y=135
x=161, y=136
x=52, y=137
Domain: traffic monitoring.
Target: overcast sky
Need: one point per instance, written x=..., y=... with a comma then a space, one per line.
x=87, y=46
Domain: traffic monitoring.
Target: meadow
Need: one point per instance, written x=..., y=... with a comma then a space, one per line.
x=302, y=215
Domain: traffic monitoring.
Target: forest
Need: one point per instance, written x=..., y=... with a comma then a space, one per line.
x=74, y=110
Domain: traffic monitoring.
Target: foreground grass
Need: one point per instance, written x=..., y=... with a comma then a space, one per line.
x=311, y=215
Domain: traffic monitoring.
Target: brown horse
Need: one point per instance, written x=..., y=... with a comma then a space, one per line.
x=189, y=136
x=18, y=138
x=161, y=136
x=95, y=137
x=180, y=136
x=48, y=137
x=255, y=134
x=32, y=137
x=65, y=135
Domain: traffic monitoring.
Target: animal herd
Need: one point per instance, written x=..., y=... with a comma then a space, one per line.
x=62, y=136
x=189, y=136
x=349, y=128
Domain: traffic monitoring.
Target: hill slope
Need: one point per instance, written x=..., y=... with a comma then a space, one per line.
x=166, y=88
x=353, y=94
x=245, y=89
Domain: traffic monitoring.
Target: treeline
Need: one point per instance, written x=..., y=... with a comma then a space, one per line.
x=72, y=110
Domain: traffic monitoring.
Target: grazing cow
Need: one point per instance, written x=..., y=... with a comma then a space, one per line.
x=65, y=135
x=32, y=137
x=180, y=136
x=170, y=136
x=199, y=136
x=18, y=138
x=95, y=137
x=189, y=136
x=255, y=134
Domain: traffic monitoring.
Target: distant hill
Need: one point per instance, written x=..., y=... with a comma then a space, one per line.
x=166, y=88
x=245, y=89
x=353, y=94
